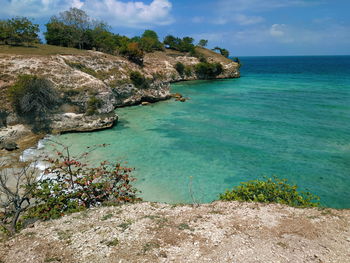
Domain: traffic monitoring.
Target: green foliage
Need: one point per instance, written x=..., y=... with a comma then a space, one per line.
x=188, y=71
x=139, y=80
x=93, y=104
x=18, y=31
x=222, y=51
x=70, y=186
x=133, y=52
x=180, y=68
x=203, y=43
x=33, y=96
x=270, y=191
x=184, y=45
x=150, y=42
x=69, y=29
x=206, y=70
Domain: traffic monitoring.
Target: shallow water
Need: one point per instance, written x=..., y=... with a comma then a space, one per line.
x=286, y=116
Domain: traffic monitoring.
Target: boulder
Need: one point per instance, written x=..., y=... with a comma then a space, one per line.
x=9, y=146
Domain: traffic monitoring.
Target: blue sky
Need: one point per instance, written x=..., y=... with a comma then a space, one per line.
x=245, y=27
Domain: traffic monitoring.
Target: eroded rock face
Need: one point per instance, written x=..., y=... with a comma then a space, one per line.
x=69, y=122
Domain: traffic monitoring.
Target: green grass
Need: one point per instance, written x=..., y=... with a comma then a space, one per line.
x=40, y=50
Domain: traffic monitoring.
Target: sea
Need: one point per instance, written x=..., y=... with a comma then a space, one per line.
x=286, y=116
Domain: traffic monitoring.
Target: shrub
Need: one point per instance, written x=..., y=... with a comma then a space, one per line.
x=72, y=186
x=93, y=104
x=33, y=98
x=180, y=68
x=223, y=52
x=270, y=190
x=139, y=80
x=133, y=52
x=203, y=43
x=188, y=71
x=206, y=70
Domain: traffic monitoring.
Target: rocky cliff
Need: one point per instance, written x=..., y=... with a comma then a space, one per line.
x=91, y=74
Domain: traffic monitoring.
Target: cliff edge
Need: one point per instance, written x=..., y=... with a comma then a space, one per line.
x=216, y=232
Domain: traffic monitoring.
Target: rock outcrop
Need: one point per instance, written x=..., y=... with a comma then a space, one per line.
x=106, y=78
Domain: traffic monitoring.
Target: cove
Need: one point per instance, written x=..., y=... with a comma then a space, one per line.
x=286, y=116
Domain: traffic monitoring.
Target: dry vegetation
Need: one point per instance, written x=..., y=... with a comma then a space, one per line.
x=40, y=50
x=217, y=232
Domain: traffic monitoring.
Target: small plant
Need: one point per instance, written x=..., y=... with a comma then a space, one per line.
x=93, y=104
x=149, y=246
x=271, y=190
x=180, y=68
x=106, y=217
x=112, y=243
x=139, y=80
x=188, y=71
x=184, y=226
x=125, y=225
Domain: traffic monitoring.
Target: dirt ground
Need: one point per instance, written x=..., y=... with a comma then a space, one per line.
x=217, y=232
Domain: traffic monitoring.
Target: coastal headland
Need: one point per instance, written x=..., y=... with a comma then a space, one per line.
x=80, y=77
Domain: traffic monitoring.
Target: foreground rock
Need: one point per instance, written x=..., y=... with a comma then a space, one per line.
x=217, y=232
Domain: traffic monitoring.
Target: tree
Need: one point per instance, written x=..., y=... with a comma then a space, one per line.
x=4, y=31
x=186, y=44
x=172, y=42
x=101, y=38
x=183, y=45
x=149, y=41
x=223, y=52
x=59, y=34
x=203, y=43
x=15, y=200
x=69, y=28
x=19, y=30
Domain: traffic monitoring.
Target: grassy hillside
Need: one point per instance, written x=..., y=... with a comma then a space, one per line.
x=41, y=50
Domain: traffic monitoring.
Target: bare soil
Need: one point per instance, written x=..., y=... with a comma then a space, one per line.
x=217, y=232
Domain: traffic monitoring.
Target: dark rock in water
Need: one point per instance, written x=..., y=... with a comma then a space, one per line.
x=182, y=99
x=176, y=96
x=9, y=146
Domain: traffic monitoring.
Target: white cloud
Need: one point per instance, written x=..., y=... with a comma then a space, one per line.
x=131, y=13
x=247, y=20
x=115, y=12
x=35, y=8
x=240, y=19
x=198, y=19
x=277, y=30
x=261, y=5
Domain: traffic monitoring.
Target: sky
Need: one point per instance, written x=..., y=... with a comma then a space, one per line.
x=244, y=27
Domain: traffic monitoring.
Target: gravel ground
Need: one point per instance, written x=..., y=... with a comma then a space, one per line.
x=216, y=232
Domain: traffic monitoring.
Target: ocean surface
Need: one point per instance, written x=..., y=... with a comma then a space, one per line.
x=286, y=116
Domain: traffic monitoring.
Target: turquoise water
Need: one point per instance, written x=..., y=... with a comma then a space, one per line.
x=286, y=116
